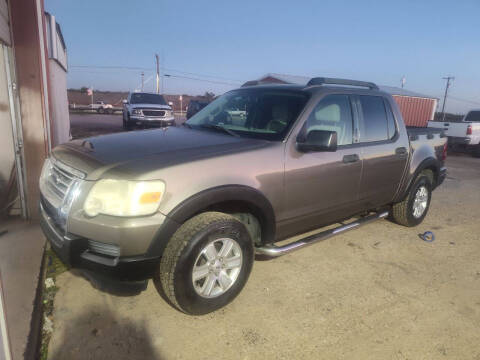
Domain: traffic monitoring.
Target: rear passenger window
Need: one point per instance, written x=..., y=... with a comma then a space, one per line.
x=375, y=124
x=333, y=113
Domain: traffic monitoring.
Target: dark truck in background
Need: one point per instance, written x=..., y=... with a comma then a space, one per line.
x=191, y=205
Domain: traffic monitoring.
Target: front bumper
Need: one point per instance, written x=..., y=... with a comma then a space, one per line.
x=152, y=121
x=77, y=252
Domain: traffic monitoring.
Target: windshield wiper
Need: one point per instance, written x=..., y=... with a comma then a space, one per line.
x=219, y=128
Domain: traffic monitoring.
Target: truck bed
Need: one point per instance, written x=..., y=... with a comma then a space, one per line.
x=427, y=138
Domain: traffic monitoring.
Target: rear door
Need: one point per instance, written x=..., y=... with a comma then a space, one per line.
x=384, y=151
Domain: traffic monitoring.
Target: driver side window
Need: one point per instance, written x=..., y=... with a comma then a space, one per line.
x=333, y=113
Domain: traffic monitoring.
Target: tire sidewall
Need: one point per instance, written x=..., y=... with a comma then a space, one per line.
x=422, y=180
x=185, y=293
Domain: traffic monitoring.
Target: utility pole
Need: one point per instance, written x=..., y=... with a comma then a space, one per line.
x=158, y=73
x=448, y=78
x=143, y=75
x=403, y=81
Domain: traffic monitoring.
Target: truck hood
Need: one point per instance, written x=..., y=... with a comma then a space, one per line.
x=150, y=106
x=133, y=155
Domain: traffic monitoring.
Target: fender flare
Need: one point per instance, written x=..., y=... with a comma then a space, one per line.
x=427, y=163
x=261, y=206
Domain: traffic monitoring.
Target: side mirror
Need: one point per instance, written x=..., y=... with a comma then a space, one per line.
x=317, y=140
x=125, y=101
x=170, y=103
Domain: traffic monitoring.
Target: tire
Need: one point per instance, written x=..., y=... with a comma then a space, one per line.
x=127, y=124
x=101, y=110
x=476, y=151
x=188, y=249
x=403, y=213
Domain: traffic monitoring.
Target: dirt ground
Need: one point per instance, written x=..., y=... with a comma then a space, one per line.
x=378, y=292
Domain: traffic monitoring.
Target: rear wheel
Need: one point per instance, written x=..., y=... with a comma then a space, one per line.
x=413, y=209
x=476, y=151
x=206, y=263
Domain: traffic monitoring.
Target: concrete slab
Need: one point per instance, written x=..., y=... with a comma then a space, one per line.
x=378, y=292
x=21, y=252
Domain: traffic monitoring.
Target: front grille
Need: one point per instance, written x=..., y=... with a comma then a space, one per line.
x=59, y=180
x=59, y=185
x=153, y=112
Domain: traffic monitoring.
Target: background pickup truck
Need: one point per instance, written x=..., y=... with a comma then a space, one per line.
x=191, y=205
x=463, y=134
x=146, y=110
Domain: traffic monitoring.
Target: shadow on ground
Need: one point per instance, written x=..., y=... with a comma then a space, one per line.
x=97, y=333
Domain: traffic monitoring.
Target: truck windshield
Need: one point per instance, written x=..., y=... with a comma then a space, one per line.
x=473, y=116
x=257, y=113
x=142, y=98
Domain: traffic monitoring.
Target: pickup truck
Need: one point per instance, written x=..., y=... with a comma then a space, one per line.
x=464, y=134
x=191, y=205
x=146, y=110
x=99, y=106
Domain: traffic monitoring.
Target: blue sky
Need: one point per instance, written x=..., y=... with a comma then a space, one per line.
x=229, y=42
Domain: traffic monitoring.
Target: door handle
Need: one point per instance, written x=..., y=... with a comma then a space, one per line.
x=446, y=124
x=350, y=158
x=401, y=150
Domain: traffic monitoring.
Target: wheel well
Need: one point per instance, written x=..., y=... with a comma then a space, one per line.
x=251, y=216
x=432, y=173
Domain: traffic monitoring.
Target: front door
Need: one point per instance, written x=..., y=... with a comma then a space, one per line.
x=320, y=186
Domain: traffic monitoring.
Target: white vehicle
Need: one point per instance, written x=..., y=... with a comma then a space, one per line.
x=463, y=134
x=102, y=108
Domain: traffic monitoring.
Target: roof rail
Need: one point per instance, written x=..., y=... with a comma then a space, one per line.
x=334, y=81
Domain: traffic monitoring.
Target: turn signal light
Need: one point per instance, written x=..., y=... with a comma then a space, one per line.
x=469, y=130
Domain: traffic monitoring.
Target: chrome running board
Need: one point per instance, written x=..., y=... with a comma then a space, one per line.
x=275, y=251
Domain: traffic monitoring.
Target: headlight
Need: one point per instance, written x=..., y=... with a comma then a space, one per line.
x=124, y=198
x=137, y=112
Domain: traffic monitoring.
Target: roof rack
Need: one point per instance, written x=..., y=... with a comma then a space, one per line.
x=334, y=81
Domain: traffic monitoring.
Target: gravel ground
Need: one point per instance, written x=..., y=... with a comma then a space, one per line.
x=378, y=292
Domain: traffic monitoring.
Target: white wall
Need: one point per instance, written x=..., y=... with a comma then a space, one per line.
x=7, y=154
x=4, y=27
x=59, y=115
x=57, y=82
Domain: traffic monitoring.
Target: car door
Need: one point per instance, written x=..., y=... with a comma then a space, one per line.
x=384, y=151
x=321, y=187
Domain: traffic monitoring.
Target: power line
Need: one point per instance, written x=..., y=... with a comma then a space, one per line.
x=465, y=100
x=210, y=81
x=136, y=68
x=109, y=67
x=204, y=75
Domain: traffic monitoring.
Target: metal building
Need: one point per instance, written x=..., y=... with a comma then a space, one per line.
x=417, y=109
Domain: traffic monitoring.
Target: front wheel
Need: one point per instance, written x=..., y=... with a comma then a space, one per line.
x=206, y=263
x=413, y=209
x=127, y=123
